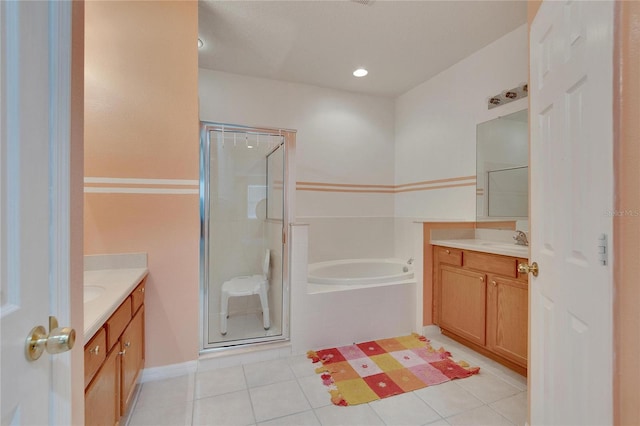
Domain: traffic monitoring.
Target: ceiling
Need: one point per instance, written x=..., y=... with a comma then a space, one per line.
x=401, y=43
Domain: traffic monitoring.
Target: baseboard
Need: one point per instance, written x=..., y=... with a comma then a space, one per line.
x=168, y=371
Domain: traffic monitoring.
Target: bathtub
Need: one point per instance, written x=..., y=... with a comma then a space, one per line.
x=360, y=272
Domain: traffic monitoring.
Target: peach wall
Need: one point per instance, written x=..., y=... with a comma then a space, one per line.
x=141, y=121
x=627, y=225
x=166, y=227
x=76, y=208
x=141, y=73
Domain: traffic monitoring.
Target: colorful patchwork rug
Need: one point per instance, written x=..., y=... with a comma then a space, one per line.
x=367, y=371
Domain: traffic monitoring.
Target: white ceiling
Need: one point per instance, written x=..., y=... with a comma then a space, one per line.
x=401, y=43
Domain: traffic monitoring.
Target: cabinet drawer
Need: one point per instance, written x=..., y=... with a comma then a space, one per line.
x=449, y=256
x=95, y=352
x=118, y=322
x=137, y=297
x=496, y=264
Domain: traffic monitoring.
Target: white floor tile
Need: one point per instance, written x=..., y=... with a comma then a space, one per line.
x=230, y=409
x=487, y=387
x=307, y=418
x=287, y=391
x=170, y=414
x=315, y=391
x=404, y=409
x=514, y=379
x=353, y=415
x=267, y=372
x=460, y=351
x=514, y=408
x=441, y=422
x=448, y=398
x=160, y=392
x=278, y=400
x=218, y=382
x=482, y=416
x=302, y=366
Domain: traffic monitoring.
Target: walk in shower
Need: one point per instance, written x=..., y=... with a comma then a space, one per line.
x=243, y=209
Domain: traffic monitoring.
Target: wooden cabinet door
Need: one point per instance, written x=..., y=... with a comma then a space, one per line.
x=463, y=303
x=507, y=316
x=132, y=359
x=102, y=397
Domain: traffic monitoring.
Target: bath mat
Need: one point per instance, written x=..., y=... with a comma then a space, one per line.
x=367, y=371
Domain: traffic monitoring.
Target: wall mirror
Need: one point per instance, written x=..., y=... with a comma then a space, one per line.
x=502, y=188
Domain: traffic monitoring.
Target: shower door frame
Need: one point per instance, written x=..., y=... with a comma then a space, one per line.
x=288, y=212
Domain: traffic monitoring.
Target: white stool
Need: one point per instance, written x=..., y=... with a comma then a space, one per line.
x=246, y=286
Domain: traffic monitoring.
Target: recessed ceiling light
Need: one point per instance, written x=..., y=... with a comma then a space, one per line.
x=200, y=43
x=360, y=72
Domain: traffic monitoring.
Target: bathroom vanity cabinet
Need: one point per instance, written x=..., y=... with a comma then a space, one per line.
x=113, y=360
x=481, y=300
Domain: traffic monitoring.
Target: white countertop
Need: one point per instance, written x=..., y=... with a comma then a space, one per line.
x=486, y=246
x=117, y=285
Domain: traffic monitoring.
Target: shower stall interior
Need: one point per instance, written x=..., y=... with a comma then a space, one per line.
x=244, y=261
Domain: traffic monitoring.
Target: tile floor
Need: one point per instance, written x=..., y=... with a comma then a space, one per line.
x=287, y=391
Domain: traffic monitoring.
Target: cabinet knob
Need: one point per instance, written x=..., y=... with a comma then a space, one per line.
x=122, y=353
x=448, y=251
x=481, y=279
x=142, y=290
x=95, y=350
x=493, y=283
x=126, y=345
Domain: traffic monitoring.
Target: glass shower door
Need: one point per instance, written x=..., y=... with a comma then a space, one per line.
x=243, y=175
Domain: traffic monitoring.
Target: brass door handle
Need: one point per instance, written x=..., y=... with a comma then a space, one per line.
x=525, y=268
x=59, y=339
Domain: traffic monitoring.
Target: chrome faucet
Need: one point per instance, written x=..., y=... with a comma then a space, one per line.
x=410, y=261
x=521, y=238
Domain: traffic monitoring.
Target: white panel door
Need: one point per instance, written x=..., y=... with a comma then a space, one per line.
x=34, y=187
x=571, y=355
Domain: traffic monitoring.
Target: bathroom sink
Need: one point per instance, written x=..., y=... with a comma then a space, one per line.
x=92, y=292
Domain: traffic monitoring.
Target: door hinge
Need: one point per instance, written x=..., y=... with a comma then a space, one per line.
x=284, y=238
x=603, y=251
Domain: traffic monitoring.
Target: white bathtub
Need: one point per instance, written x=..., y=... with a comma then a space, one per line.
x=360, y=272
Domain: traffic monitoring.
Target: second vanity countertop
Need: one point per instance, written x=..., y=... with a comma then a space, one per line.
x=486, y=246
x=105, y=289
